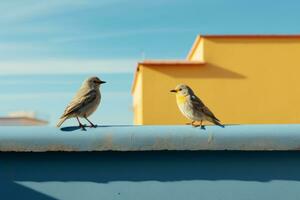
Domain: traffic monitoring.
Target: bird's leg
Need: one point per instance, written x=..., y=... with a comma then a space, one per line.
x=80, y=124
x=202, y=126
x=194, y=125
x=92, y=125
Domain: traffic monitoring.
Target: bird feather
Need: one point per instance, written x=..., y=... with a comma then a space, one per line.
x=79, y=102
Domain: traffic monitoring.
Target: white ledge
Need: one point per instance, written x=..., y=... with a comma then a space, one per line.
x=150, y=138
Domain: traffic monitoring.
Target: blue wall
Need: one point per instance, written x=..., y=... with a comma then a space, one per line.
x=151, y=175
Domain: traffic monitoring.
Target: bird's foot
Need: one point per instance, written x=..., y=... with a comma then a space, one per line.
x=203, y=127
x=194, y=124
x=82, y=127
x=93, y=126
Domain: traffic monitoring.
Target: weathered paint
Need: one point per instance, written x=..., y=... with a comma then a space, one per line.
x=151, y=138
x=245, y=80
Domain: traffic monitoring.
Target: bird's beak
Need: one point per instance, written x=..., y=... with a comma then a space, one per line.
x=173, y=91
x=101, y=82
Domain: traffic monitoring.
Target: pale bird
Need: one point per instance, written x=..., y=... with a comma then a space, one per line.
x=85, y=102
x=192, y=107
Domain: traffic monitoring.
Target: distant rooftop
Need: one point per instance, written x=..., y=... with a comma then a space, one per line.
x=29, y=114
x=22, y=118
x=21, y=121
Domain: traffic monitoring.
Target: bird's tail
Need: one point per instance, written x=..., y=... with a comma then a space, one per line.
x=61, y=121
x=217, y=123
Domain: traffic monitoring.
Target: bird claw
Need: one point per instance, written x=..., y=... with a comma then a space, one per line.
x=197, y=125
x=93, y=126
x=194, y=125
x=82, y=127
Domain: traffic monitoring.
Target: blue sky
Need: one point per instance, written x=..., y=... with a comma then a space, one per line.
x=105, y=37
x=111, y=35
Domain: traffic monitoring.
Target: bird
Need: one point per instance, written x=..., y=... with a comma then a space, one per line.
x=84, y=103
x=192, y=107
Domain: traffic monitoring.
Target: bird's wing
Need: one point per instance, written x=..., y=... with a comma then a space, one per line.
x=199, y=105
x=80, y=101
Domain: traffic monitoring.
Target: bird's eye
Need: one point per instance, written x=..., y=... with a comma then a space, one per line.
x=180, y=89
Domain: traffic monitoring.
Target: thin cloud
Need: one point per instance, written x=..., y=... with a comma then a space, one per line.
x=64, y=66
x=16, y=46
x=120, y=33
x=57, y=95
x=35, y=95
x=10, y=12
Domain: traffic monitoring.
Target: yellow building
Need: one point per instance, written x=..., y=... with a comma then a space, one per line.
x=243, y=79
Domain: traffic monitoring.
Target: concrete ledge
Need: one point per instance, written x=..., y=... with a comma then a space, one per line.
x=151, y=138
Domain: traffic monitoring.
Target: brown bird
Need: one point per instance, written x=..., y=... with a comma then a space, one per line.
x=85, y=102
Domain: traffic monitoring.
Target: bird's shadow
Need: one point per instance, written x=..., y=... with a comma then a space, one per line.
x=72, y=128
x=85, y=127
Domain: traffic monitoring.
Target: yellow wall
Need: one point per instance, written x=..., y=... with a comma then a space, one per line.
x=244, y=81
x=159, y=103
x=269, y=90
